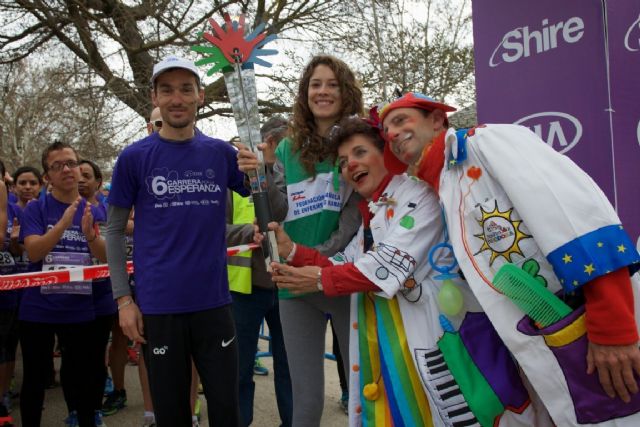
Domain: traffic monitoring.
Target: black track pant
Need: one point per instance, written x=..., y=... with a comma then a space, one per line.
x=79, y=359
x=172, y=340
x=96, y=343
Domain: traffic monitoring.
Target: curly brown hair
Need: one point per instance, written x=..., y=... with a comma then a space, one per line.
x=303, y=130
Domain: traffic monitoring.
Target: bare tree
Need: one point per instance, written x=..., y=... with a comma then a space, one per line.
x=119, y=41
x=409, y=45
x=40, y=105
x=102, y=53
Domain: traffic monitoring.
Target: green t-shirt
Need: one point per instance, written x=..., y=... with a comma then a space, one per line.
x=314, y=203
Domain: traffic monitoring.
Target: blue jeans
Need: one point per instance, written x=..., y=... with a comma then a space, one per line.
x=248, y=312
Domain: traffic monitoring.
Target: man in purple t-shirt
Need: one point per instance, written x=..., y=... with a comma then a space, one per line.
x=176, y=179
x=59, y=232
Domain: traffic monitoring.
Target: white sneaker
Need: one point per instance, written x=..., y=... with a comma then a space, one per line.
x=148, y=421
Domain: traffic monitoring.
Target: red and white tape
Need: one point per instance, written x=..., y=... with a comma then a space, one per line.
x=40, y=278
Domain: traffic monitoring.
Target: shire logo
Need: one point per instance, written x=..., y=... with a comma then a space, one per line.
x=523, y=42
x=632, y=37
x=561, y=131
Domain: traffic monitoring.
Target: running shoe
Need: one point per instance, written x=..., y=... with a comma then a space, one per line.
x=148, y=421
x=108, y=386
x=71, y=420
x=260, y=369
x=197, y=408
x=344, y=402
x=114, y=402
x=98, y=420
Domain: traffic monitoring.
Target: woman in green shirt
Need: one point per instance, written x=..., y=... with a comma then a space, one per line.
x=322, y=213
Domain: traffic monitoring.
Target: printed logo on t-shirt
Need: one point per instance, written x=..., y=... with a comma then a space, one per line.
x=312, y=196
x=70, y=234
x=165, y=185
x=64, y=261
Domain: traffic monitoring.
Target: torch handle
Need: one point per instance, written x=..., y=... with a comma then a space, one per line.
x=263, y=215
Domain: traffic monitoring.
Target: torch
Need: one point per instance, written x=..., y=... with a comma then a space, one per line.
x=235, y=54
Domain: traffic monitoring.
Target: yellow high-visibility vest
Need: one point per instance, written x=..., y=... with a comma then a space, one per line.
x=239, y=265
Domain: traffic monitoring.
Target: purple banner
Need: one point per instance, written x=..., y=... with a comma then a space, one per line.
x=543, y=65
x=623, y=24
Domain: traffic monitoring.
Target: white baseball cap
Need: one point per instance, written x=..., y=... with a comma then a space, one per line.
x=170, y=62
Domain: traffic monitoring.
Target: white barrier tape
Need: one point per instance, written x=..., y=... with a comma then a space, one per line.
x=76, y=275
x=40, y=278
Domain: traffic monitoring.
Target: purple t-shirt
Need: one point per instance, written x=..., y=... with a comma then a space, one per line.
x=103, y=303
x=178, y=190
x=36, y=305
x=8, y=299
x=22, y=261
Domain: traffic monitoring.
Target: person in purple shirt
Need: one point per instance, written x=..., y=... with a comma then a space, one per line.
x=103, y=305
x=59, y=232
x=8, y=300
x=27, y=185
x=176, y=179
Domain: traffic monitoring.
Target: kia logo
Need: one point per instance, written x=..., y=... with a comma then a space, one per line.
x=632, y=42
x=561, y=131
x=524, y=42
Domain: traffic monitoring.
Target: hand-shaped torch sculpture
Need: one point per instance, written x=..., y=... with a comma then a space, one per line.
x=235, y=55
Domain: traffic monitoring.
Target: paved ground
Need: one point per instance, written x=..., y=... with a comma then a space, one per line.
x=265, y=409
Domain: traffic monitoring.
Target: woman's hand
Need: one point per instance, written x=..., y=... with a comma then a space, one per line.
x=285, y=244
x=298, y=280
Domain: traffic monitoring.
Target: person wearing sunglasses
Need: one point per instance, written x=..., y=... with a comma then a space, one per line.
x=155, y=121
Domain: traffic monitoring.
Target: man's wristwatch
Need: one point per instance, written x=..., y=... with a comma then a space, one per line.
x=319, y=282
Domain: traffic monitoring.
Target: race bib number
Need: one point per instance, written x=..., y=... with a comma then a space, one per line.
x=129, y=245
x=7, y=263
x=22, y=263
x=63, y=261
x=6, y=259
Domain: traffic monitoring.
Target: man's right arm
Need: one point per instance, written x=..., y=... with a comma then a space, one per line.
x=129, y=315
